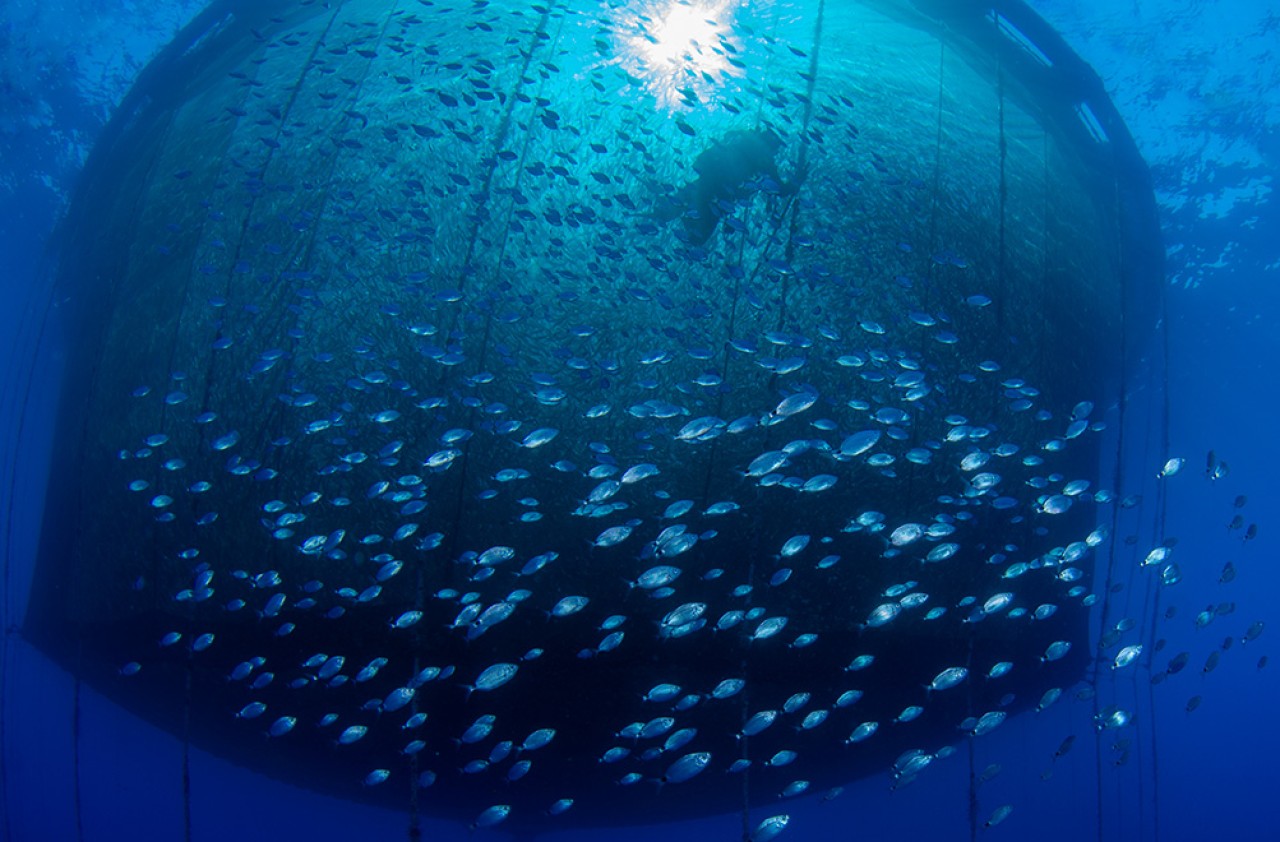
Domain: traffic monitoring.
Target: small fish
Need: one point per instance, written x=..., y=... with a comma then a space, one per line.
x=639, y=472
x=794, y=545
x=948, y=678
x=906, y=534
x=767, y=463
x=1056, y=650
x=491, y=816
x=847, y=698
x=610, y=642
x=862, y=732
x=728, y=688
x=861, y=662
x=796, y=702
x=768, y=628
x=405, y=620
x=859, y=443
x=612, y=536
x=662, y=693
x=998, y=815
x=883, y=614
x=376, y=777
x=569, y=605
x=559, y=806
x=493, y=677
x=687, y=767
x=352, y=734
x=770, y=828
x=794, y=788
x=282, y=726
x=1126, y=656
x=1113, y=717
x=1156, y=556
x=997, y=603
x=758, y=722
x=988, y=722
x=252, y=710
x=820, y=482
x=813, y=719
x=657, y=577
x=539, y=437
x=908, y=714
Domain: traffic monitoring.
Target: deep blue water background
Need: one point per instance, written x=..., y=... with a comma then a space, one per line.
x=1197, y=82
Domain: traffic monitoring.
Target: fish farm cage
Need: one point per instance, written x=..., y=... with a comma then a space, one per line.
x=506, y=405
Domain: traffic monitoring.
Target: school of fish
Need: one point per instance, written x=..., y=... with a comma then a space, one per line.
x=476, y=470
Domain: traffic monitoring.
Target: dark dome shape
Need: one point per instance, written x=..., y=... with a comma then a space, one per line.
x=397, y=324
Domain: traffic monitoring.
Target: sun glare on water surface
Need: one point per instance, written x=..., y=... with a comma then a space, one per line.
x=680, y=49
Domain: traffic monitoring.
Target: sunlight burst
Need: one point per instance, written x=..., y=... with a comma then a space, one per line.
x=681, y=49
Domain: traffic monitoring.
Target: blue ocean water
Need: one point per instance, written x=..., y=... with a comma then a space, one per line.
x=1204, y=117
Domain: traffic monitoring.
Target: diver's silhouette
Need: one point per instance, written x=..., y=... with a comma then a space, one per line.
x=732, y=168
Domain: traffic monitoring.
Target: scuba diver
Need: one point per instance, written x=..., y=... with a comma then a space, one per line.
x=733, y=168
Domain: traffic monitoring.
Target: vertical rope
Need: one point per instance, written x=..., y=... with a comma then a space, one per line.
x=754, y=538
x=486, y=188
x=1045, y=262
x=1004, y=195
x=734, y=302
x=75, y=748
x=1117, y=483
x=499, y=139
x=937, y=155
x=926, y=295
x=414, y=832
x=768, y=63
x=39, y=304
x=1162, y=504
x=746, y=773
x=1155, y=591
x=802, y=162
x=188, y=684
x=745, y=694
x=7, y=629
x=973, y=764
x=16, y=400
x=186, y=749
x=5, y=811
x=247, y=221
